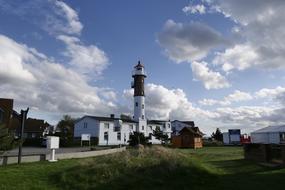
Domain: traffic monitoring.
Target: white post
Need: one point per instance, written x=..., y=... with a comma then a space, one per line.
x=52, y=156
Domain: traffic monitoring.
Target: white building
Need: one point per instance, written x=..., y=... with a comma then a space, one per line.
x=269, y=135
x=115, y=131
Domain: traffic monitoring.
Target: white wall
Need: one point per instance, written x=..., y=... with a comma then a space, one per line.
x=126, y=129
x=92, y=127
x=97, y=129
x=265, y=138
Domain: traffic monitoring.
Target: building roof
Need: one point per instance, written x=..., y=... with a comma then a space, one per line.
x=271, y=129
x=191, y=123
x=194, y=130
x=158, y=122
x=100, y=118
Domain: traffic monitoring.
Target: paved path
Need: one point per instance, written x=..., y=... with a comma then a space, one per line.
x=39, y=150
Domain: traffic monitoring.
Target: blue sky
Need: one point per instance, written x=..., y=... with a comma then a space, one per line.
x=217, y=62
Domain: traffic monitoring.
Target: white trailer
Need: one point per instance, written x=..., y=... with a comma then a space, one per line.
x=269, y=135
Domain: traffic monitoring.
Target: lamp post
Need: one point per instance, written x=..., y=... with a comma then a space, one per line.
x=24, y=114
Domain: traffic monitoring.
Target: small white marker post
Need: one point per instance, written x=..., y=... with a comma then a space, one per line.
x=86, y=137
x=52, y=143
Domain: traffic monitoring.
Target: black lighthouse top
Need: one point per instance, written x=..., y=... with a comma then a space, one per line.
x=139, y=65
x=138, y=83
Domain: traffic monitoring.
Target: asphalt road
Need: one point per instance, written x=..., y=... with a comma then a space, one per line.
x=40, y=150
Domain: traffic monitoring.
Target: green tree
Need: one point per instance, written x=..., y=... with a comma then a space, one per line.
x=66, y=127
x=218, y=136
x=6, y=138
x=138, y=138
x=158, y=134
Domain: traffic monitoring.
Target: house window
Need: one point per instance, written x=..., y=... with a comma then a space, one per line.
x=119, y=136
x=142, y=116
x=137, y=104
x=168, y=125
x=142, y=106
x=142, y=127
x=106, y=136
x=106, y=126
x=150, y=136
x=85, y=125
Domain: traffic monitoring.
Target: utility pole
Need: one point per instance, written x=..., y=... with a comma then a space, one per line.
x=24, y=114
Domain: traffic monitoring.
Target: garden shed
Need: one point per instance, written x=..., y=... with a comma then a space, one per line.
x=189, y=137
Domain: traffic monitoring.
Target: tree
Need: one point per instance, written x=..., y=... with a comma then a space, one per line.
x=137, y=138
x=6, y=138
x=66, y=127
x=218, y=136
x=158, y=134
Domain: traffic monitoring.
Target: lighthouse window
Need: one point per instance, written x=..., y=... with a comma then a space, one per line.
x=137, y=104
x=143, y=106
x=142, y=116
x=142, y=127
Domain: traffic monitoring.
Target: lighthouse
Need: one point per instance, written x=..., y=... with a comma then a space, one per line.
x=139, y=97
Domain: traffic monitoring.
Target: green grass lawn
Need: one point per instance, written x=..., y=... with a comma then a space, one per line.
x=151, y=168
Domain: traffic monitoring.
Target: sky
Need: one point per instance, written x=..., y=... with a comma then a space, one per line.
x=219, y=63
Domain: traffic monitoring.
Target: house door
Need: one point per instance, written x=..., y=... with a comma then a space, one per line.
x=186, y=140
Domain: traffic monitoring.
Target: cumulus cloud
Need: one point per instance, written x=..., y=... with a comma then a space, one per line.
x=53, y=16
x=193, y=9
x=72, y=24
x=236, y=96
x=188, y=41
x=262, y=34
x=85, y=59
x=210, y=79
x=164, y=103
x=32, y=79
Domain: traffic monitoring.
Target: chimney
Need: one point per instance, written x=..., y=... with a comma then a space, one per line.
x=112, y=115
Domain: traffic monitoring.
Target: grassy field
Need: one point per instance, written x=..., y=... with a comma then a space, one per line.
x=151, y=168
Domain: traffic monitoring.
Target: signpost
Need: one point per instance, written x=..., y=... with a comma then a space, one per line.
x=85, y=137
x=24, y=114
x=52, y=143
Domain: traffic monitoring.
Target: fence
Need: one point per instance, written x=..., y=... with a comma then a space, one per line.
x=265, y=153
x=5, y=160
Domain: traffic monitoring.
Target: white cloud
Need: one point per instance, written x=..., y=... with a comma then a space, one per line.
x=210, y=79
x=193, y=9
x=188, y=41
x=11, y=57
x=73, y=25
x=261, y=31
x=53, y=16
x=36, y=81
x=239, y=57
x=270, y=92
x=85, y=59
x=164, y=103
x=236, y=96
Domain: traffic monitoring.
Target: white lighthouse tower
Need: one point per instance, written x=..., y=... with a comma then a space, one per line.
x=139, y=97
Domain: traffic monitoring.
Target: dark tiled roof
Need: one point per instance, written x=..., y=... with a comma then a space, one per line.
x=194, y=130
x=100, y=118
x=159, y=122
